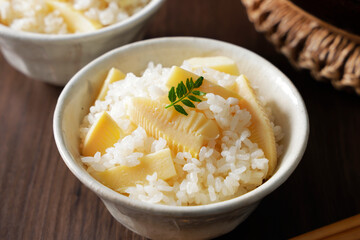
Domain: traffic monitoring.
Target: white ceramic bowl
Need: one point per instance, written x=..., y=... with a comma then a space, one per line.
x=171, y=222
x=56, y=58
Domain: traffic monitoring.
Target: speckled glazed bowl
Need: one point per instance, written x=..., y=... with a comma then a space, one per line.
x=56, y=58
x=174, y=222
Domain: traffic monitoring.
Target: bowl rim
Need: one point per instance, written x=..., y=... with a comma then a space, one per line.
x=102, y=191
x=145, y=12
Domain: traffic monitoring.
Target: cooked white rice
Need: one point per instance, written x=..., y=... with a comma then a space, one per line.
x=227, y=167
x=35, y=15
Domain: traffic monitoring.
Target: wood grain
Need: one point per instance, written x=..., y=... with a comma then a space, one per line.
x=348, y=228
x=41, y=199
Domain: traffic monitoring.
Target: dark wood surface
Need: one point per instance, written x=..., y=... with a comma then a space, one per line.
x=41, y=199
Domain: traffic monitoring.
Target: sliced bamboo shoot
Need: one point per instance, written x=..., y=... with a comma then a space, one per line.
x=178, y=74
x=113, y=75
x=121, y=177
x=261, y=130
x=183, y=133
x=219, y=63
x=76, y=20
x=103, y=134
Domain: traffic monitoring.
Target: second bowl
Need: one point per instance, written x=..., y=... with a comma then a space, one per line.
x=56, y=58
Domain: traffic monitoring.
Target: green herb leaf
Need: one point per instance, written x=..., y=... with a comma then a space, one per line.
x=182, y=92
x=172, y=95
x=179, y=91
x=180, y=109
x=189, y=84
x=183, y=87
x=198, y=82
x=193, y=98
x=188, y=103
x=198, y=93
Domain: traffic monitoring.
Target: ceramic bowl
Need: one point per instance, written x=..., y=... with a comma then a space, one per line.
x=174, y=222
x=56, y=58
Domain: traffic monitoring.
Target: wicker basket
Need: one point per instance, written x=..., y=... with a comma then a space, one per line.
x=330, y=53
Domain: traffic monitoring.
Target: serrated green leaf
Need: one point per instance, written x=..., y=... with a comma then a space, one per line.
x=188, y=84
x=179, y=91
x=183, y=87
x=188, y=103
x=198, y=82
x=180, y=109
x=182, y=92
x=172, y=95
x=193, y=98
x=198, y=93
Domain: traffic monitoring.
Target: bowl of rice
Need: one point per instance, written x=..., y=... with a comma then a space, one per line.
x=51, y=40
x=211, y=166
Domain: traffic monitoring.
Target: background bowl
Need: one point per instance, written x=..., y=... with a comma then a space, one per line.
x=56, y=58
x=171, y=222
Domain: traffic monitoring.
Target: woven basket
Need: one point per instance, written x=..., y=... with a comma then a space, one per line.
x=330, y=53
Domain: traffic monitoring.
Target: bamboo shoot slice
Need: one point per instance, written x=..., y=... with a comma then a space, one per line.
x=261, y=130
x=219, y=63
x=183, y=133
x=121, y=177
x=113, y=75
x=76, y=20
x=103, y=134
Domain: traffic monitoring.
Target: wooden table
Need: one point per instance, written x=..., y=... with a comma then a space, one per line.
x=41, y=199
